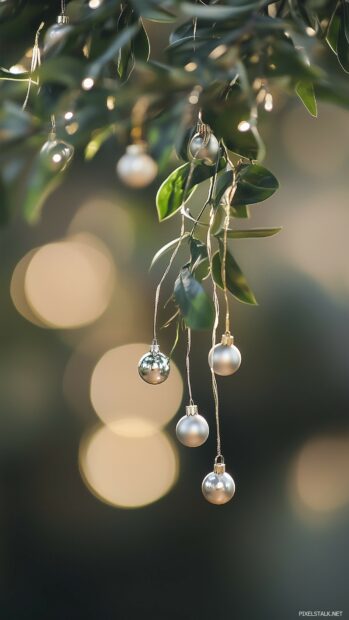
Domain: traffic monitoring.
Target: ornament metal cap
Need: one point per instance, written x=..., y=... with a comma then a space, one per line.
x=227, y=339
x=191, y=409
x=62, y=19
x=154, y=347
x=219, y=466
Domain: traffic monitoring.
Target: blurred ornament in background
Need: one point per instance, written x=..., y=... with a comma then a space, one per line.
x=55, y=154
x=57, y=32
x=137, y=168
x=154, y=366
x=192, y=429
x=225, y=358
x=218, y=487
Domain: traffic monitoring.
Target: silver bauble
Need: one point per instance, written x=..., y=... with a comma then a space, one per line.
x=56, y=155
x=204, y=148
x=56, y=33
x=192, y=429
x=225, y=358
x=218, y=487
x=154, y=366
x=136, y=168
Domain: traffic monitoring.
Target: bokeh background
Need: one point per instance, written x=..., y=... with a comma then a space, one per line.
x=101, y=513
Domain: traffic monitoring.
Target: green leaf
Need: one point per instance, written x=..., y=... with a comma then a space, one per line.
x=225, y=180
x=240, y=211
x=198, y=251
x=195, y=305
x=333, y=29
x=121, y=39
x=249, y=234
x=152, y=11
x=216, y=12
x=305, y=91
x=166, y=248
x=236, y=281
x=170, y=196
x=141, y=44
x=343, y=47
x=40, y=184
x=255, y=184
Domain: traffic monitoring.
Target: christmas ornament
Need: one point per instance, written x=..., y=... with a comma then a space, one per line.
x=192, y=429
x=154, y=366
x=218, y=487
x=137, y=168
x=56, y=33
x=203, y=146
x=225, y=358
x=55, y=154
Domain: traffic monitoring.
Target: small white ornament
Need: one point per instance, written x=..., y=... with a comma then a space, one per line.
x=154, y=366
x=56, y=154
x=192, y=429
x=137, y=168
x=204, y=146
x=218, y=487
x=56, y=33
x=225, y=358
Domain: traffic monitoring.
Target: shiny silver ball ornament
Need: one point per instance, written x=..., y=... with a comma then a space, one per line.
x=136, y=168
x=204, y=147
x=154, y=366
x=225, y=358
x=192, y=429
x=56, y=154
x=218, y=487
x=56, y=33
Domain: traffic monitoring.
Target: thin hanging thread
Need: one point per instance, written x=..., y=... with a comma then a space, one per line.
x=227, y=204
x=173, y=255
x=35, y=62
x=62, y=7
x=187, y=363
x=214, y=332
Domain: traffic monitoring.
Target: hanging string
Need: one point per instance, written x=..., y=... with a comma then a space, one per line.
x=227, y=204
x=187, y=364
x=174, y=253
x=62, y=7
x=35, y=62
x=214, y=335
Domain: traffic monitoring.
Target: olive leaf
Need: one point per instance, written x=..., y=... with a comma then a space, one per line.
x=252, y=233
x=195, y=305
x=255, y=184
x=305, y=91
x=166, y=248
x=235, y=279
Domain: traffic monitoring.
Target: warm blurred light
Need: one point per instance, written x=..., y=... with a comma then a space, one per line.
x=68, y=116
x=117, y=391
x=304, y=138
x=133, y=427
x=17, y=290
x=320, y=476
x=87, y=83
x=218, y=52
x=244, y=126
x=111, y=101
x=17, y=69
x=69, y=283
x=128, y=472
x=72, y=128
x=110, y=222
x=94, y=4
x=190, y=66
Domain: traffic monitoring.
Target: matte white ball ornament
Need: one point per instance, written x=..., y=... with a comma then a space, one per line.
x=225, y=358
x=154, y=366
x=137, y=168
x=218, y=487
x=192, y=429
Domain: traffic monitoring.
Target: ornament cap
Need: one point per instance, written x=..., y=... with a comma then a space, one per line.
x=62, y=19
x=154, y=347
x=191, y=409
x=227, y=339
x=137, y=148
x=219, y=465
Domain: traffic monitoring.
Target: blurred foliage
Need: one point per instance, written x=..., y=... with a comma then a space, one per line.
x=226, y=59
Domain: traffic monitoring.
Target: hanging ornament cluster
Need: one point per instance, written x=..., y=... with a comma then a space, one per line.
x=224, y=358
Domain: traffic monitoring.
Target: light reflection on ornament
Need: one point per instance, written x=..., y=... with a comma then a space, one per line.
x=204, y=147
x=57, y=33
x=154, y=366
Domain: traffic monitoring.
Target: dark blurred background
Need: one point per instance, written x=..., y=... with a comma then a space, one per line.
x=101, y=512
